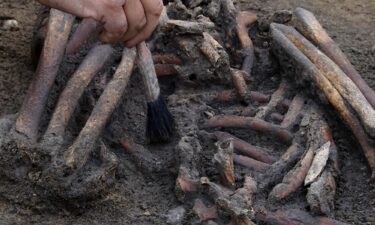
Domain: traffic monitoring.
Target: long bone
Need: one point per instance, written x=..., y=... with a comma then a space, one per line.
x=78, y=153
x=309, y=26
x=295, y=107
x=249, y=122
x=331, y=94
x=68, y=99
x=344, y=85
x=59, y=27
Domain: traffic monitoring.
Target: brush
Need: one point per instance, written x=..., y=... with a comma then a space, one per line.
x=160, y=121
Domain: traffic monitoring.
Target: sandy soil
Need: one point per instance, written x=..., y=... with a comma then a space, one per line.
x=350, y=23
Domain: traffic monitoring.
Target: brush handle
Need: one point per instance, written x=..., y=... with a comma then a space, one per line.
x=147, y=69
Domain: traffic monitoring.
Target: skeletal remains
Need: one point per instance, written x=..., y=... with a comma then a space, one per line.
x=310, y=60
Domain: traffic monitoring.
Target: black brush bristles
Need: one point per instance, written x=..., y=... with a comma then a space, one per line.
x=160, y=123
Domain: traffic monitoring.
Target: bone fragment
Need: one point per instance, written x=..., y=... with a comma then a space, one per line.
x=277, y=170
x=239, y=84
x=188, y=27
x=318, y=164
x=224, y=162
x=294, y=179
x=250, y=163
x=246, y=148
x=276, y=117
x=291, y=118
x=276, y=98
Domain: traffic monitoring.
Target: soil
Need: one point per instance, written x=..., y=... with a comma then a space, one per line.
x=140, y=198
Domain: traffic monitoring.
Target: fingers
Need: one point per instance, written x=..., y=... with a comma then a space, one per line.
x=115, y=26
x=136, y=17
x=152, y=10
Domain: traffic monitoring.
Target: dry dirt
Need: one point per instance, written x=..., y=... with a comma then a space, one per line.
x=148, y=198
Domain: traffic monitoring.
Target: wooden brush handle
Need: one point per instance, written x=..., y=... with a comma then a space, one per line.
x=147, y=69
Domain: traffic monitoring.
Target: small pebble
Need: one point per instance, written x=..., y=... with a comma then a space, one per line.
x=11, y=25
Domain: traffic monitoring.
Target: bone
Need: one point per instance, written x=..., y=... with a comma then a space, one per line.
x=344, y=85
x=276, y=98
x=59, y=27
x=73, y=91
x=321, y=194
x=162, y=70
x=144, y=159
x=250, y=163
x=309, y=26
x=166, y=59
x=331, y=94
x=293, y=216
x=239, y=84
x=276, y=117
x=251, y=123
x=246, y=148
x=203, y=212
x=277, y=170
x=237, y=203
x=318, y=164
x=293, y=180
x=78, y=153
x=230, y=96
x=188, y=27
x=295, y=109
x=223, y=160
x=244, y=19
x=85, y=30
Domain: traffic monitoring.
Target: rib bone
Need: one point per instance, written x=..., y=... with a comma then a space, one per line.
x=79, y=152
x=59, y=27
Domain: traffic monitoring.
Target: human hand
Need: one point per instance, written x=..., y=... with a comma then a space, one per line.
x=128, y=21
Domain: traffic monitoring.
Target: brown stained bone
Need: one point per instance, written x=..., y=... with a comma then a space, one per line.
x=244, y=19
x=292, y=217
x=203, y=212
x=276, y=171
x=276, y=98
x=166, y=59
x=293, y=180
x=309, y=26
x=230, y=96
x=250, y=163
x=85, y=30
x=251, y=123
x=276, y=117
x=162, y=70
x=144, y=159
x=343, y=84
x=78, y=153
x=291, y=118
x=239, y=84
x=224, y=162
x=331, y=94
x=246, y=148
x=59, y=27
x=68, y=99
